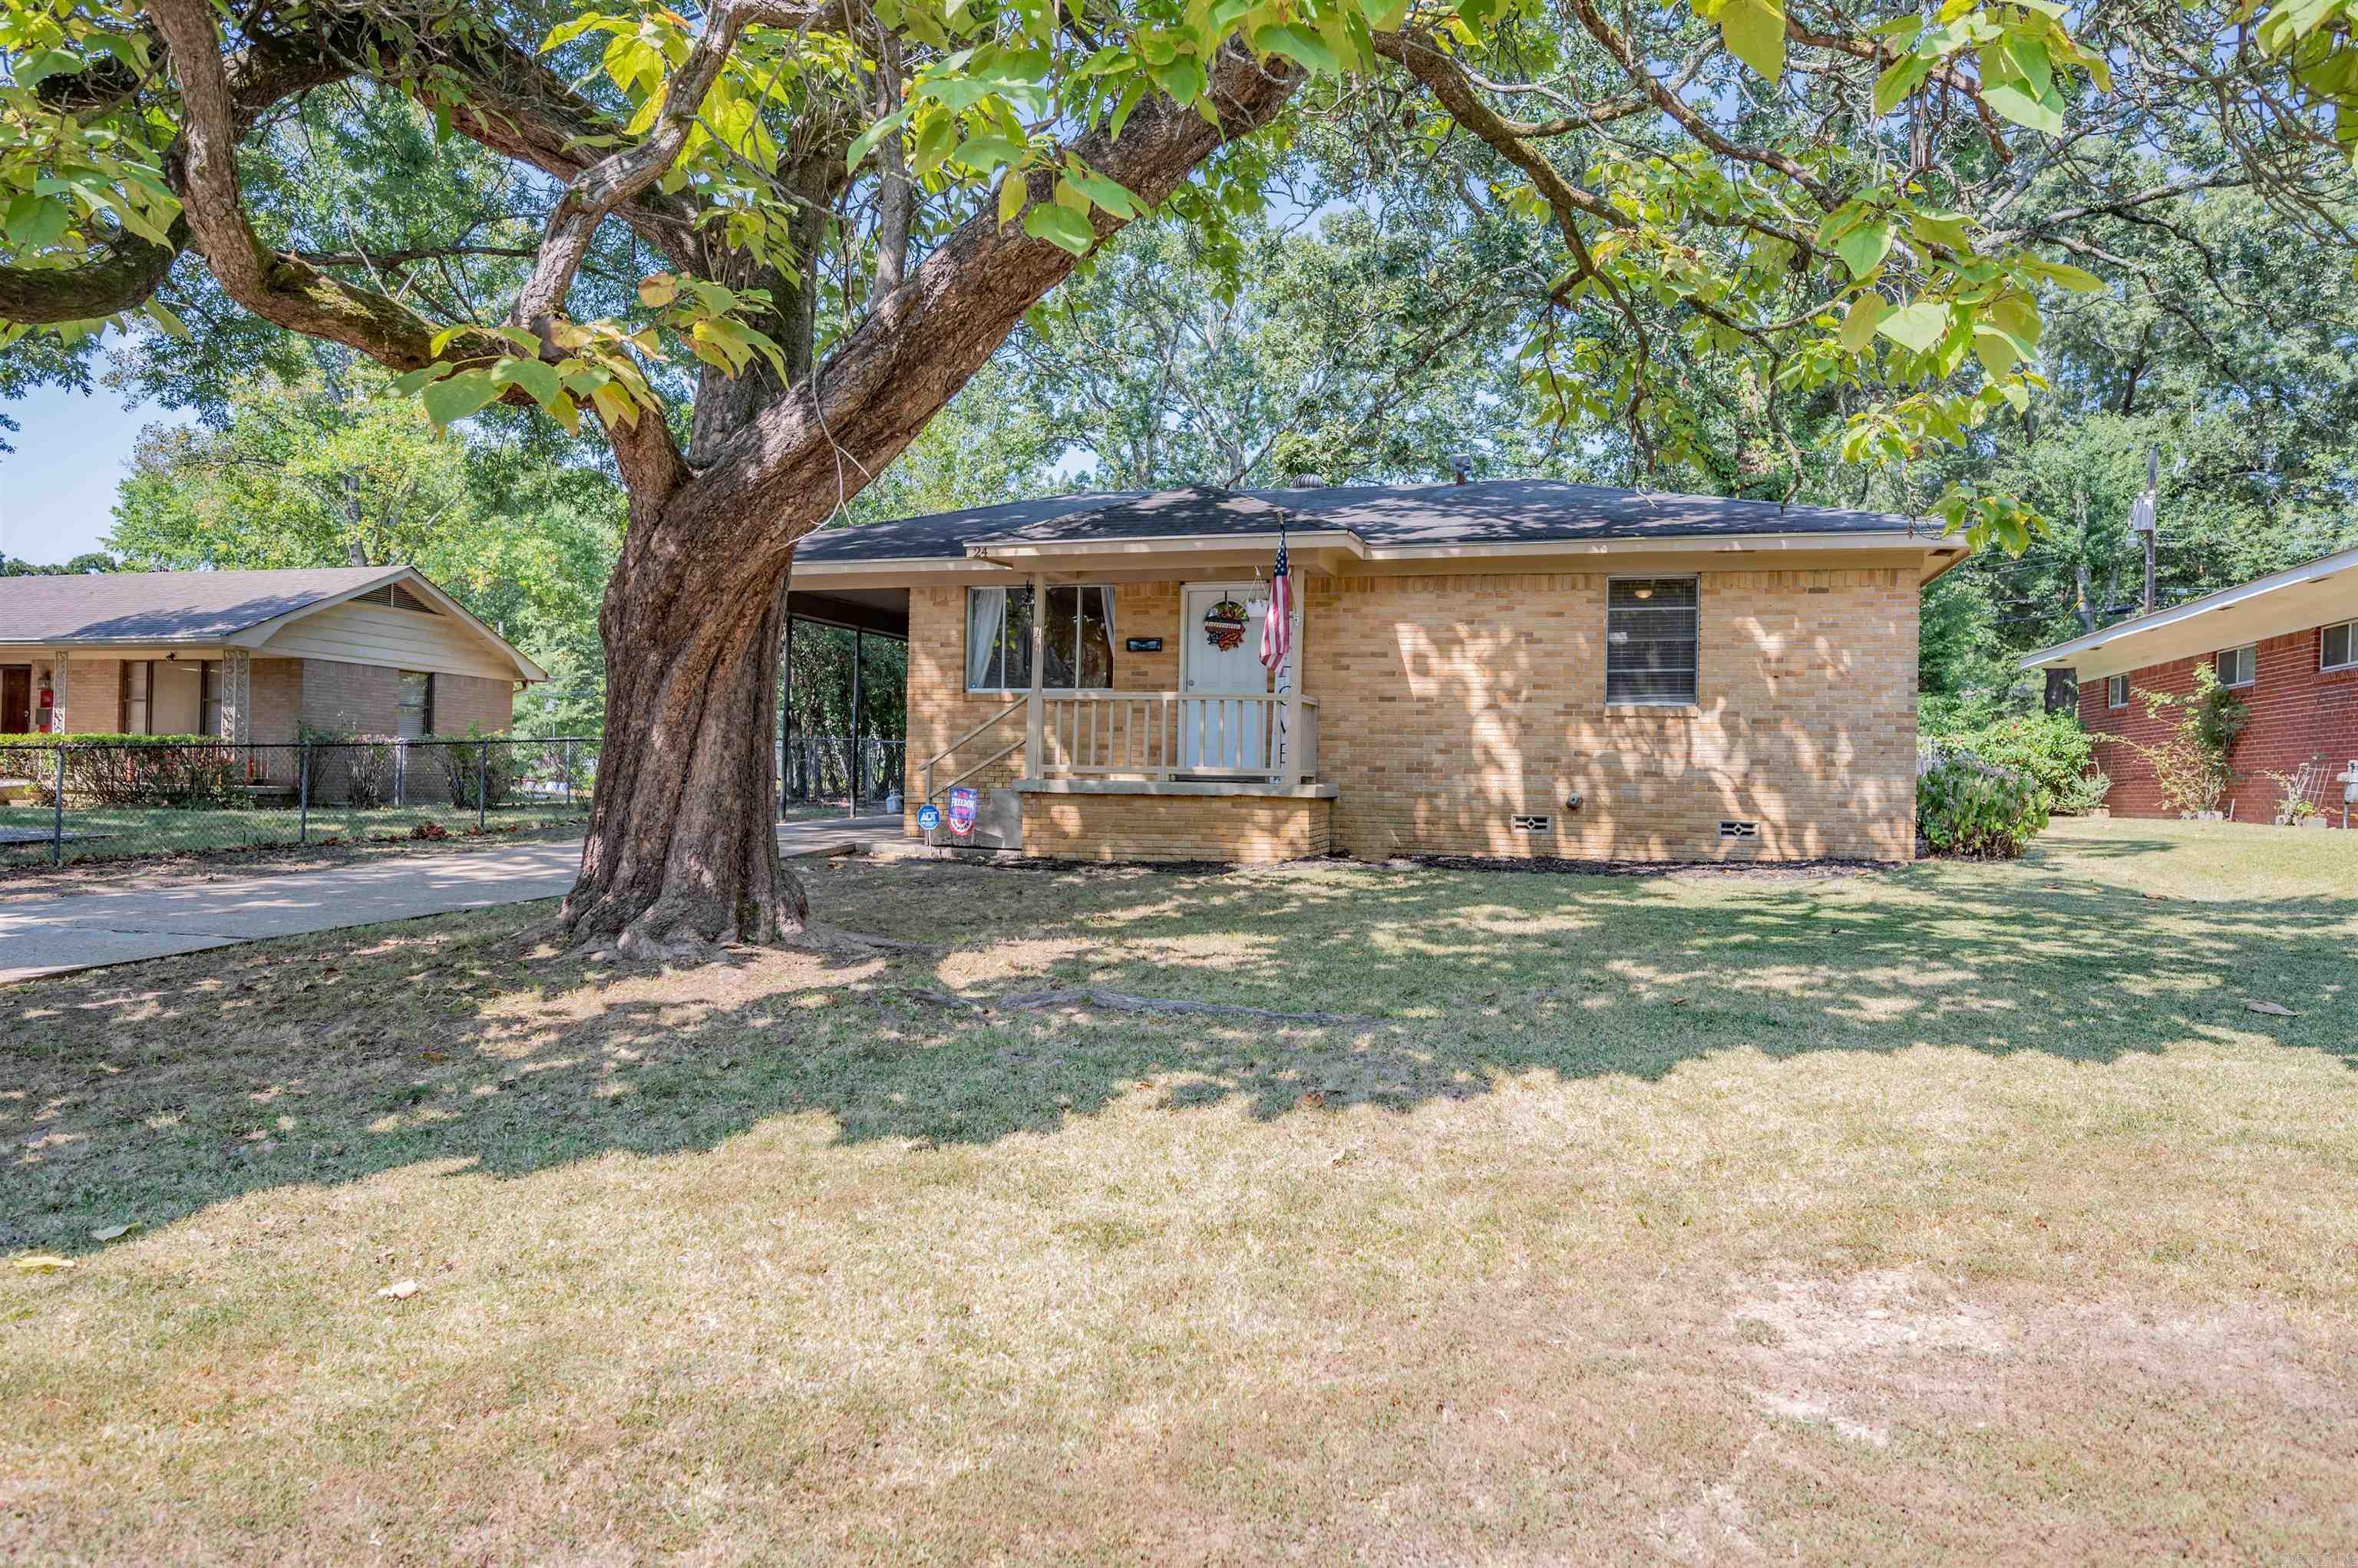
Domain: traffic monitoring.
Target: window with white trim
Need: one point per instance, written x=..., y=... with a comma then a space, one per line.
x=1076, y=635
x=1651, y=629
x=2337, y=646
x=2237, y=666
x=2116, y=691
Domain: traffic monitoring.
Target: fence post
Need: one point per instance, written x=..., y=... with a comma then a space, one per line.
x=564, y=754
x=303, y=791
x=482, y=771
x=57, y=820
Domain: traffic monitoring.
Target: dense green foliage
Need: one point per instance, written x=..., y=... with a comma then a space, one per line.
x=2050, y=749
x=1966, y=805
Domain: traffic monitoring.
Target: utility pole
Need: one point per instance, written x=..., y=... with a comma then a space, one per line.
x=2143, y=518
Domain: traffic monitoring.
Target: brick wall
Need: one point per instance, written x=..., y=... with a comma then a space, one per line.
x=2299, y=713
x=1247, y=829
x=460, y=701
x=1450, y=703
x=358, y=698
x=277, y=698
x=94, y=695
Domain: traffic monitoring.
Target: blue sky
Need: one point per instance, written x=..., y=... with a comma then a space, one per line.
x=57, y=488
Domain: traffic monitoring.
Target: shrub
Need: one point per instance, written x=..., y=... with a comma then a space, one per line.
x=130, y=770
x=347, y=769
x=1967, y=805
x=2052, y=747
x=473, y=756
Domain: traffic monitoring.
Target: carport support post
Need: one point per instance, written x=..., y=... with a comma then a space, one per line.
x=57, y=820
x=303, y=792
x=1034, y=709
x=858, y=648
x=786, y=716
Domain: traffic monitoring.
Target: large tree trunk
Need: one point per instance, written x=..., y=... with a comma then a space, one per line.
x=683, y=845
x=682, y=849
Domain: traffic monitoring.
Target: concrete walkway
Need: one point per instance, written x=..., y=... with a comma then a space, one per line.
x=89, y=929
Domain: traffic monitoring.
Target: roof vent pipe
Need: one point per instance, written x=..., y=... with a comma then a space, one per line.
x=1461, y=466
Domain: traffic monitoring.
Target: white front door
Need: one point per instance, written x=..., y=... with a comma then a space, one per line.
x=1220, y=729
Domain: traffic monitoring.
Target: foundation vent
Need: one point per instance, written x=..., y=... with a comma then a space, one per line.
x=1739, y=831
x=1533, y=823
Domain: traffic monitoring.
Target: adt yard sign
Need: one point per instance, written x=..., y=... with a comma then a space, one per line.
x=929, y=817
x=963, y=801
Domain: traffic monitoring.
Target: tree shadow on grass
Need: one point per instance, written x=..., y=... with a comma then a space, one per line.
x=152, y=1091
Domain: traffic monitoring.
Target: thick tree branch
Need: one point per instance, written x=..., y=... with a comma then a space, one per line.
x=280, y=289
x=790, y=467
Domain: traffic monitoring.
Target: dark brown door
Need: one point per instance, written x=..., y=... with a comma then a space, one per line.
x=16, y=699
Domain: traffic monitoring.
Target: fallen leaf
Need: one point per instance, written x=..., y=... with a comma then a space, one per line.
x=114, y=1231
x=44, y=1263
x=2274, y=1010
x=2163, y=896
x=401, y=1292
x=436, y=1056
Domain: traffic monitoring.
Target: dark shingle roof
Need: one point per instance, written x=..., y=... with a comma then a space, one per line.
x=164, y=607
x=1489, y=512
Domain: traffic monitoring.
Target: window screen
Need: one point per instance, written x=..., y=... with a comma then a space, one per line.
x=416, y=704
x=2339, y=646
x=138, y=683
x=209, y=698
x=1077, y=637
x=2235, y=665
x=1649, y=640
x=2116, y=691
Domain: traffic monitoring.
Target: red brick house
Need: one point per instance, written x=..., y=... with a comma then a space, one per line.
x=250, y=657
x=2287, y=644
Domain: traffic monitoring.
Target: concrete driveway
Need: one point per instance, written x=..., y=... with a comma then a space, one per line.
x=89, y=929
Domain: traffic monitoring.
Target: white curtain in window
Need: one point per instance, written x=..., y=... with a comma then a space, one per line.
x=986, y=615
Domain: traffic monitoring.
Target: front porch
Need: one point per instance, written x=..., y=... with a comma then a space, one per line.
x=1182, y=753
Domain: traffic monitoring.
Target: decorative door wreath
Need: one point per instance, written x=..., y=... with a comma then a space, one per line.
x=1225, y=623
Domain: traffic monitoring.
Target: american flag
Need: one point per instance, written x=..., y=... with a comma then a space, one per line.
x=1277, y=628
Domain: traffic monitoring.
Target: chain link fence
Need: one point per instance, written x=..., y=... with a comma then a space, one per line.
x=831, y=771
x=85, y=800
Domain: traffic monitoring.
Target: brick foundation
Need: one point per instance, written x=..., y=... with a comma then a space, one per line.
x=1241, y=829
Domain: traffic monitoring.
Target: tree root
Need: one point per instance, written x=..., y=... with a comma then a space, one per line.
x=1123, y=1002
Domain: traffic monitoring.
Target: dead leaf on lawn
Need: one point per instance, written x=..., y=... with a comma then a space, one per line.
x=2273, y=1009
x=114, y=1232
x=400, y=1291
x=2163, y=896
x=436, y=1056
x=44, y=1263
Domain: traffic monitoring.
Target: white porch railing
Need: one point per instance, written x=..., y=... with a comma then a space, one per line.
x=1174, y=735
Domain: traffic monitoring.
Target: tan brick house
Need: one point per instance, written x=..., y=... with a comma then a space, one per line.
x=1506, y=668
x=250, y=657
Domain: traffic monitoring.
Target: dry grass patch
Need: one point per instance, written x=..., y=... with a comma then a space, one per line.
x=1962, y=1210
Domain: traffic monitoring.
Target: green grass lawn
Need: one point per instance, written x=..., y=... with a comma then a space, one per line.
x=1958, y=1212
x=109, y=832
